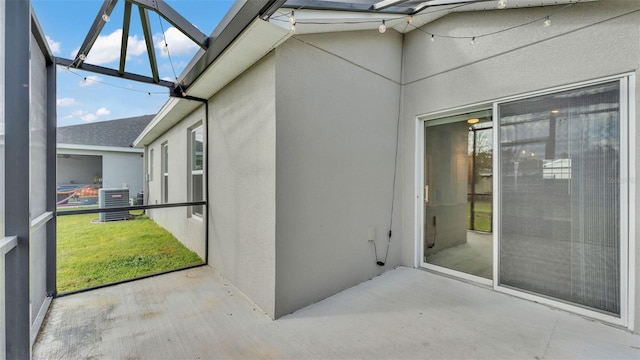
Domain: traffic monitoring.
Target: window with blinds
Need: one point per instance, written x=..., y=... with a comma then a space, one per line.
x=165, y=172
x=560, y=184
x=196, y=166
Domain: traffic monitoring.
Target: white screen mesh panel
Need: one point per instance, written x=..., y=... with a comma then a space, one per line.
x=560, y=196
x=38, y=181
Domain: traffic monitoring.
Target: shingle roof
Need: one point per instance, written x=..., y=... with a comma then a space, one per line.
x=117, y=133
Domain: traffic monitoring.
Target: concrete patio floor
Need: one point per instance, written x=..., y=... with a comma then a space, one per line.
x=404, y=313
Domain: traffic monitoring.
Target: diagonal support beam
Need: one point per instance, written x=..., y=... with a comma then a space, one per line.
x=38, y=34
x=96, y=28
x=148, y=38
x=173, y=17
x=125, y=36
x=114, y=73
x=241, y=15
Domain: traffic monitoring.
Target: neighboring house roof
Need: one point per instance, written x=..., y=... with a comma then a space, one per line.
x=112, y=133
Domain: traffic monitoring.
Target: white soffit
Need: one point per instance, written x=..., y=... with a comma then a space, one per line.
x=323, y=21
x=62, y=148
x=431, y=14
x=319, y=21
x=254, y=43
x=171, y=113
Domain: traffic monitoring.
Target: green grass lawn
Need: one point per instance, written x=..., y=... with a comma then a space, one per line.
x=482, y=216
x=93, y=253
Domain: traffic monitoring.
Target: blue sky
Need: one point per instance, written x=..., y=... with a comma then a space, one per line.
x=99, y=98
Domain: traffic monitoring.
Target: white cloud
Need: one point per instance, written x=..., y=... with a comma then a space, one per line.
x=90, y=80
x=53, y=45
x=65, y=101
x=103, y=112
x=178, y=43
x=107, y=48
x=89, y=117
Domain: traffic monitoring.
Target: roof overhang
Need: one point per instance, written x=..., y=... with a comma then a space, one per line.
x=213, y=69
x=80, y=147
x=315, y=20
x=171, y=113
x=252, y=45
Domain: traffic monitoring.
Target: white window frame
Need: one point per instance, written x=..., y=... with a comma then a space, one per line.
x=191, y=172
x=164, y=168
x=627, y=200
x=150, y=164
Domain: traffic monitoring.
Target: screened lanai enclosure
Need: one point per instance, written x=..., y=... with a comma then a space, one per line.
x=39, y=234
x=330, y=179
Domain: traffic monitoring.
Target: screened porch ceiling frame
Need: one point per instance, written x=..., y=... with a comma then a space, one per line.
x=248, y=11
x=158, y=6
x=239, y=17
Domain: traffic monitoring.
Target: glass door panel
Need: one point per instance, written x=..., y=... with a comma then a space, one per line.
x=560, y=196
x=458, y=194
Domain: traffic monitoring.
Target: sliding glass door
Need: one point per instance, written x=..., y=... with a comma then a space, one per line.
x=458, y=186
x=562, y=196
x=546, y=215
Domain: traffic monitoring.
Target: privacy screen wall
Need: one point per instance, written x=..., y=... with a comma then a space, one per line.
x=560, y=183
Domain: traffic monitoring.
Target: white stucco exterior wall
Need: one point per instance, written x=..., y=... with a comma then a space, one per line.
x=188, y=229
x=337, y=103
x=118, y=168
x=242, y=183
x=581, y=45
x=301, y=145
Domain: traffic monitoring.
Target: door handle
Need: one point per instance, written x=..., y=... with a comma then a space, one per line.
x=426, y=194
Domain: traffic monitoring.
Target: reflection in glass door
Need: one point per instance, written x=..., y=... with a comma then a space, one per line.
x=458, y=194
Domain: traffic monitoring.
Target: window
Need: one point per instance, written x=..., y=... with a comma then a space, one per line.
x=150, y=165
x=165, y=172
x=196, y=165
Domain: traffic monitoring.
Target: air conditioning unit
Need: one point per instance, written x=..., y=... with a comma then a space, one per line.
x=109, y=198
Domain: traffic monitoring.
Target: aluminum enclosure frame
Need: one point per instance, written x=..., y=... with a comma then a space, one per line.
x=103, y=16
x=17, y=221
x=238, y=18
x=21, y=23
